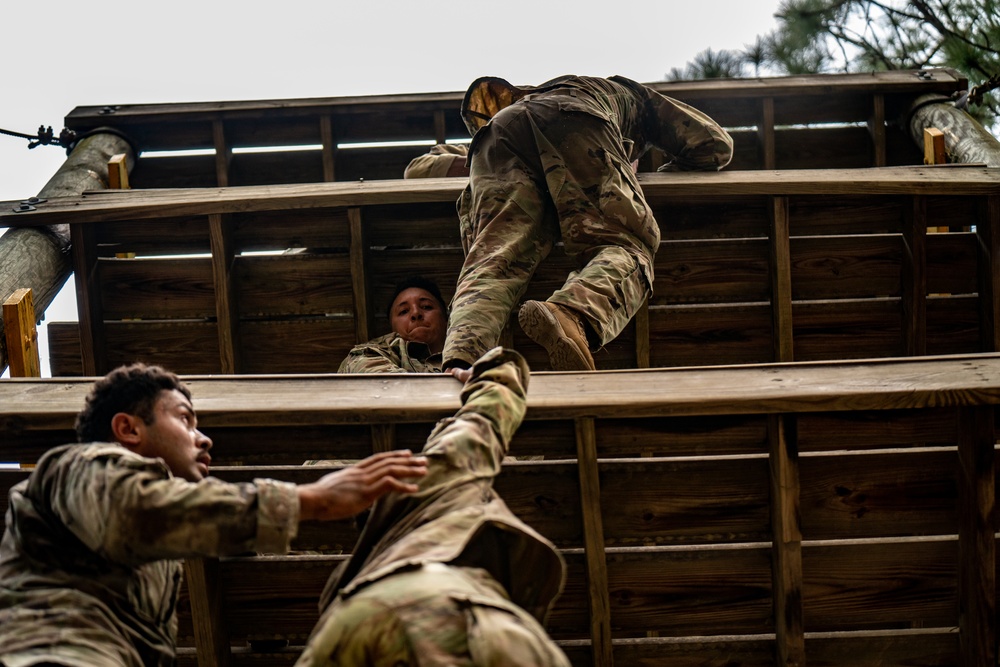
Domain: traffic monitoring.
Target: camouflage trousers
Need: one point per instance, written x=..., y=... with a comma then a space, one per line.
x=433, y=616
x=541, y=173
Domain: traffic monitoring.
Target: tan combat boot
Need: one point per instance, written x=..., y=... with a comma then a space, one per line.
x=560, y=332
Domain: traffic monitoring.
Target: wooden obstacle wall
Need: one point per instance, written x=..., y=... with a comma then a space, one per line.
x=753, y=267
x=797, y=122
x=829, y=513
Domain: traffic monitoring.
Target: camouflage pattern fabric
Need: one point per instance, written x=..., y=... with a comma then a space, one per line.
x=436, y=162
x=89, y=562
x=554, y=163
x=390, y=354
x=448, y=576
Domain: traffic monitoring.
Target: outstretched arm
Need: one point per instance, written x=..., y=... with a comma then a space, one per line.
x=695, y=141
x=344, y=493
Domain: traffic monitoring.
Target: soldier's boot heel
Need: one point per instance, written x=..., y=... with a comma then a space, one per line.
x=560, y=332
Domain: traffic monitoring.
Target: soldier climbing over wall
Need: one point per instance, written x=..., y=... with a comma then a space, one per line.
x=555, y=162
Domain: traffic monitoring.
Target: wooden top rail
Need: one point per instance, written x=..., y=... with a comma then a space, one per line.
x=106, y=205
x=942, y=80
x=959, y=380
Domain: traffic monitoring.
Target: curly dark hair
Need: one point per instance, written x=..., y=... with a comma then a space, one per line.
x=131, y=389
x=419, y=282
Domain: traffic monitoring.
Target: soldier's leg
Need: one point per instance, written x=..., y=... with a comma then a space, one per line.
x=507, y=229
x=603, y=218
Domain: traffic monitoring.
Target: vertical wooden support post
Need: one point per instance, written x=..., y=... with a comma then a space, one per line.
x=593, y=538
x=363, y=324
x=934, y=152
x=118, y=172
x=440, y=128
x=977, y=637
x=90, y=312
x=22, y=337
x=329, y=148
x=786, y=550
x=781, y=280
x=642, y=335
x=226, y=306
x=914, y=277
x=765, y=134
x=876, y=127
x=211, y=636
x=988, y=233
x=383, y=438
x=223, y=154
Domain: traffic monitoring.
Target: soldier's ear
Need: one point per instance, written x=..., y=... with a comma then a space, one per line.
x=127, y=430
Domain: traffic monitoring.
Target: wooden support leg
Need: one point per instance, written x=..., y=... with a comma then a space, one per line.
x=22, y=338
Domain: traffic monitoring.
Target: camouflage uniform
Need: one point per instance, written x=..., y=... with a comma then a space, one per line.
x=436, y=162
x=449, y=576
x=89, y=569
x=555, y=162
x=390, y=354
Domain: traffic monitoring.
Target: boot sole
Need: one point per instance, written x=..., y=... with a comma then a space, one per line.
x=542, y=327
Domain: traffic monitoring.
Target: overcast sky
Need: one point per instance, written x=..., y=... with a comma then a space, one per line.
x=57, y=55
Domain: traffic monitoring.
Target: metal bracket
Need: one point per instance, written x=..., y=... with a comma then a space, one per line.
x=28, y=204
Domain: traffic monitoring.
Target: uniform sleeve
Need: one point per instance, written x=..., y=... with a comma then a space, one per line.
x=130, y=510
x=497, y=391
x=369, y=359
x=695, y=141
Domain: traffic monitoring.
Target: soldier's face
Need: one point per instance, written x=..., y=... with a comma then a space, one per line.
x=173, y=436
x=417, y=316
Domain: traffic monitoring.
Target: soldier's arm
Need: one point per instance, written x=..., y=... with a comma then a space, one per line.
x=695, y=141
x=128, y=509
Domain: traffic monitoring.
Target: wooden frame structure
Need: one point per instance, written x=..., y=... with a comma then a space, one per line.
x=753, y=267
x=820, y=512
x=767, y=469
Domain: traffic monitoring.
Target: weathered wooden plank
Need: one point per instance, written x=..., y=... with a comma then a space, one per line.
x=988, y=230
x=151, y=204
x=914, y=279
x=878, y=384
x=227, y=307
x=858, y=431
x=360, y=277
x=168, y=236
x=22, y=338
x=879, y=493
x=316, y=230
x=157, y=288
x=710, y=270
x=223, y=153
x=93, y=344
x=902, y=583
x=593, y=536
x=786, y=549
x=211, y=633
x=977, y=580
x=780, y=273
x=765, y=134
x=876, y=127
x=699, y=335
x=845, y=267
x=274, y=286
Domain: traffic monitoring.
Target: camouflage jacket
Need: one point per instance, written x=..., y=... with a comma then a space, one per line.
x=456, y=516
x=390, y=354
x=645, y=117
x=89, y=561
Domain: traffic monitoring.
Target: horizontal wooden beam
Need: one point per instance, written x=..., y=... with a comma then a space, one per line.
x=135, y=205
x=879, y=384
x=825, y=84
